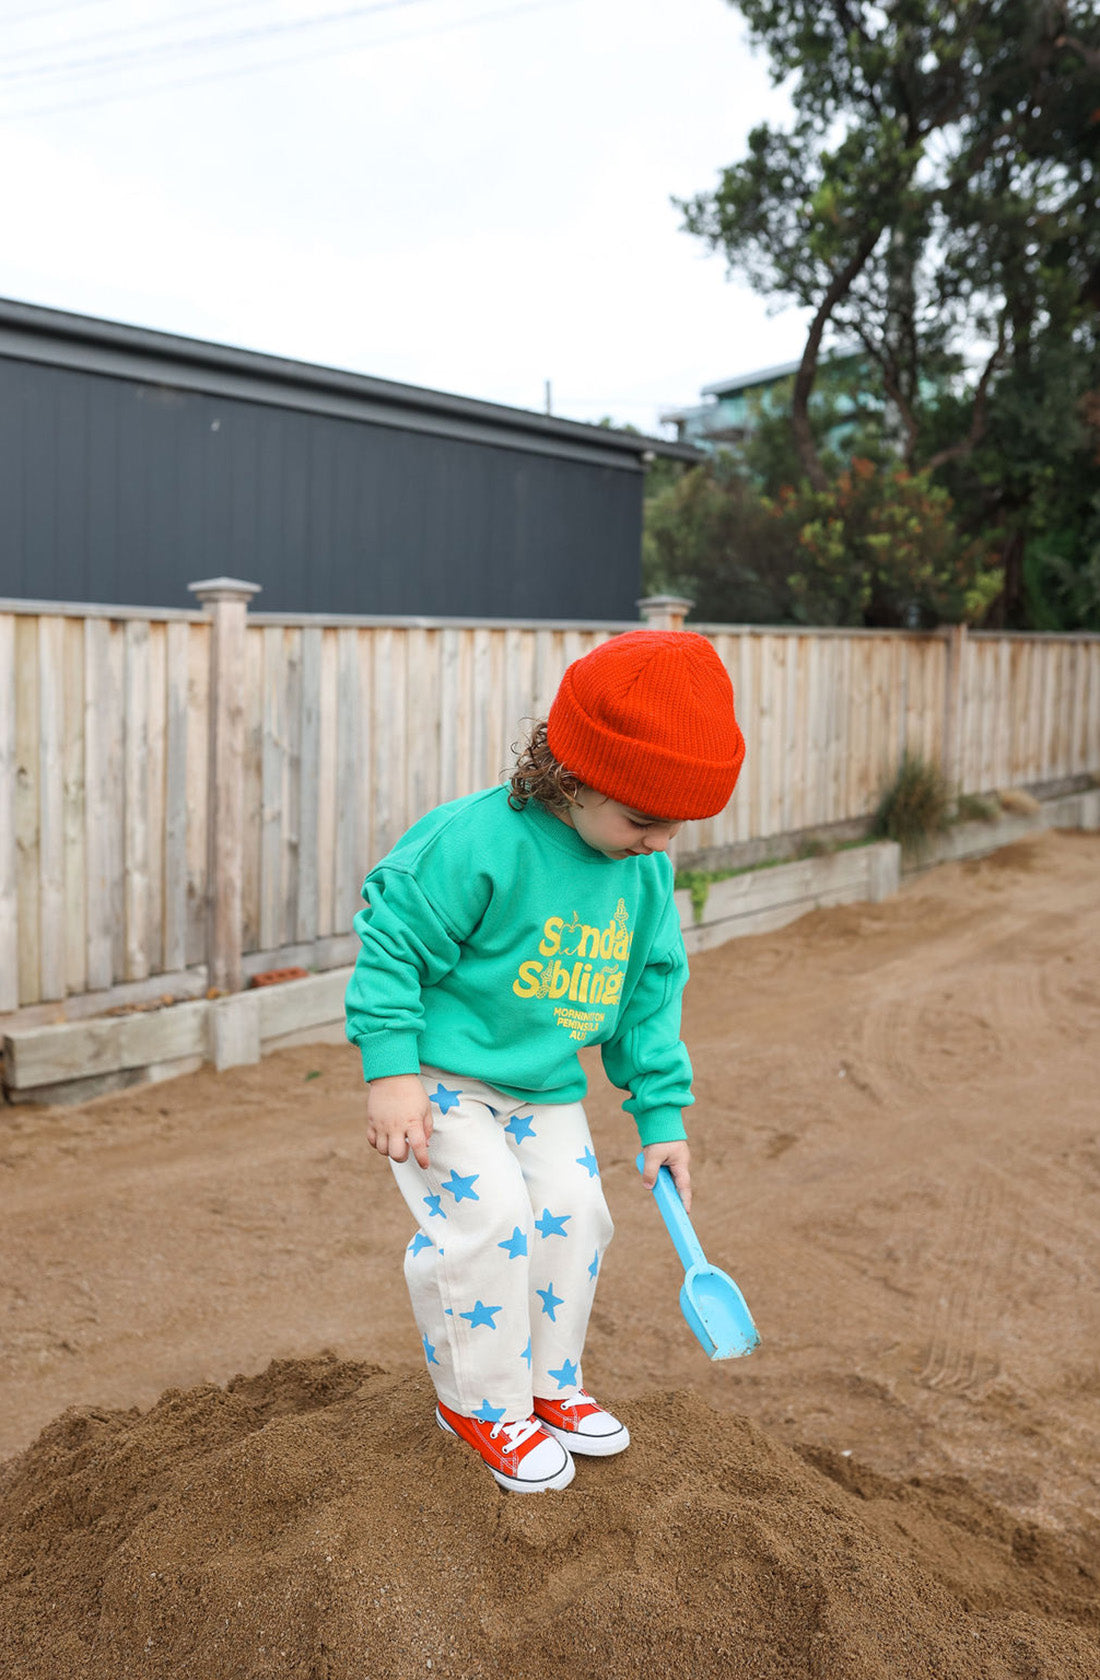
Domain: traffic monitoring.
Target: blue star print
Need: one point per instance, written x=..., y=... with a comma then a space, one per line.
x=595, y=1266
x=445, y=1100
x=429, y=1352
x=419, y=1242
x=566, y=1375
x=550, y=1301
x=462, y=1188
x=589, y=1160
x=526, y=1354
x=552, y=1224
x=480, y=1314
x=488, y=1414
x=434, y=1207
x=520, y=1127
x=515, y=1245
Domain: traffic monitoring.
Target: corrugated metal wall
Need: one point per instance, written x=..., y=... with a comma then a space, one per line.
x=120, y=490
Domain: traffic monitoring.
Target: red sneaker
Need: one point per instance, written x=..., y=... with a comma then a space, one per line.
x=523, y=1456
x=581, y=1425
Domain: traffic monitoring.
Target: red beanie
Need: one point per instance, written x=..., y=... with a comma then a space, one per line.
x=647, y=719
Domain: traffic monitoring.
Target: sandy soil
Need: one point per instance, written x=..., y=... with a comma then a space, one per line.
x=897, y=1154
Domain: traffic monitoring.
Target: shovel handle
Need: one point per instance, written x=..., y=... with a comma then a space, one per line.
x=679, y=1226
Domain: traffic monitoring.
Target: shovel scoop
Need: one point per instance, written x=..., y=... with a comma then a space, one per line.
x=710, y=1301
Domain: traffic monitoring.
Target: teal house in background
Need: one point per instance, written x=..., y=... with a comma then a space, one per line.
x=732, y=407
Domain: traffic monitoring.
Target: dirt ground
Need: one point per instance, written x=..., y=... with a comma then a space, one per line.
x=896, y=1153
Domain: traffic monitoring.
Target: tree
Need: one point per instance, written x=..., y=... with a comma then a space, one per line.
x=934, y=197
x=709, y=535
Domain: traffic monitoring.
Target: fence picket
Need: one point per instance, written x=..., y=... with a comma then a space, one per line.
x=307, y=924
x=51, y=808
x=326, y=785
x=9, y=901
x=290, y=861
x=25, y=809
x=176, y=748
x=198, y=791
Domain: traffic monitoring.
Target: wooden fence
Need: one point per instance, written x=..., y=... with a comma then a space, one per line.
x=196, y=796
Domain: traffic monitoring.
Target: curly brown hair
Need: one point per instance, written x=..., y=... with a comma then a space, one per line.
x=538, y=775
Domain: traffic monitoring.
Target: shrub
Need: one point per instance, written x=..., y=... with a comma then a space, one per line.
x=880, y=546
x=972, y=807
x=914, y=806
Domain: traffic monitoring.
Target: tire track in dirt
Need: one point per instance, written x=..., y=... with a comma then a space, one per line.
x=977, y=1257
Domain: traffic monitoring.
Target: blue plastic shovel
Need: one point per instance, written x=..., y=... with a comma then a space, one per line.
x=710, y=1301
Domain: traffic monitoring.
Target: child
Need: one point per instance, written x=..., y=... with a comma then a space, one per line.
x=502, y=932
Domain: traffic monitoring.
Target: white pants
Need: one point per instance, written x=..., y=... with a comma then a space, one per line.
x=512, y=1229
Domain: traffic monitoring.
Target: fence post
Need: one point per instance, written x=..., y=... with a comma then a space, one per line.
x=953, y=698
x=664, y=612
x=226, y=602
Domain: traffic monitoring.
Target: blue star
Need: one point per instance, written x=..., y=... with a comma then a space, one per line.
x=487, y=1413
x=550, y=1301
x=552, y=1224
x=450, y=1312
x=526, y=1354
x=419, y=1242
x=589, y=1160
x=462, y=1188
x=434, y=1207
x=566, y=1375
x=595, y=1266
x=520, y=1127
x=429, y=1352
x=480, y=1314
x=445, y=1100
x=516, y=1244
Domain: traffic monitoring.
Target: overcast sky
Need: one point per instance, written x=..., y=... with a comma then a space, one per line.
x=458, y=194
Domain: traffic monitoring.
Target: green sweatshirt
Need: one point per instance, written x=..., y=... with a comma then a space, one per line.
x=495, y=942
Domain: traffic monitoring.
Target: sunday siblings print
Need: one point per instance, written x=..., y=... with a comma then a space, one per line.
x=580, y=964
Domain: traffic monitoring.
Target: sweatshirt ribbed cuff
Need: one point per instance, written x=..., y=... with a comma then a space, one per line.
x=661, y=1125
x=388, y=1053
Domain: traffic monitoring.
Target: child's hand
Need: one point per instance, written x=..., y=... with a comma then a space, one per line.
x=399, y=1117
x=677, y=1158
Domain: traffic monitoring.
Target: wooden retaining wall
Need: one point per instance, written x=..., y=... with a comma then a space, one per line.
x=189, y=797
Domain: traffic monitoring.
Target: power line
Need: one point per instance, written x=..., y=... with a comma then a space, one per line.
x=280, y=63
x=35, y=15
x=128, y=28
x=105, y=62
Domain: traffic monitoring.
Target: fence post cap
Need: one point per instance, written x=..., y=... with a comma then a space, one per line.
x=224, y=589
x=665, y=612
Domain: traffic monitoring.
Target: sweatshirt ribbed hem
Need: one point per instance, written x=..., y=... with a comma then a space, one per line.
x=388, y=1053
x=661, y=1125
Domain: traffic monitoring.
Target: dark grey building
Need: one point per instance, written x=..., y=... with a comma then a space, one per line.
x=133, y=463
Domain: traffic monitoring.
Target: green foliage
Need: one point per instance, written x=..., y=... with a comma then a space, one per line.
x=710, y=536
x=934, y=196
x=971, y=807
x=697, y=883
x=880, y=547
x=914, y=807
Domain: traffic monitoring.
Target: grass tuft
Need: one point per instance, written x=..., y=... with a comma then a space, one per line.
x=971, y=807
x=914, y=807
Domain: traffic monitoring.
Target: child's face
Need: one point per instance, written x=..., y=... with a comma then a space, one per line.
x=618, y=831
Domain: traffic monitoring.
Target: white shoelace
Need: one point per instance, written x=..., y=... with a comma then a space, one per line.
x=517, y=1433
x=579, y=1398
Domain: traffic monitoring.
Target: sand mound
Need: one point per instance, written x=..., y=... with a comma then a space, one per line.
x=312, y=1524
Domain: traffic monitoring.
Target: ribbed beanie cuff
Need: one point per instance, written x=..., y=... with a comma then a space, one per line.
x=647, y=719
